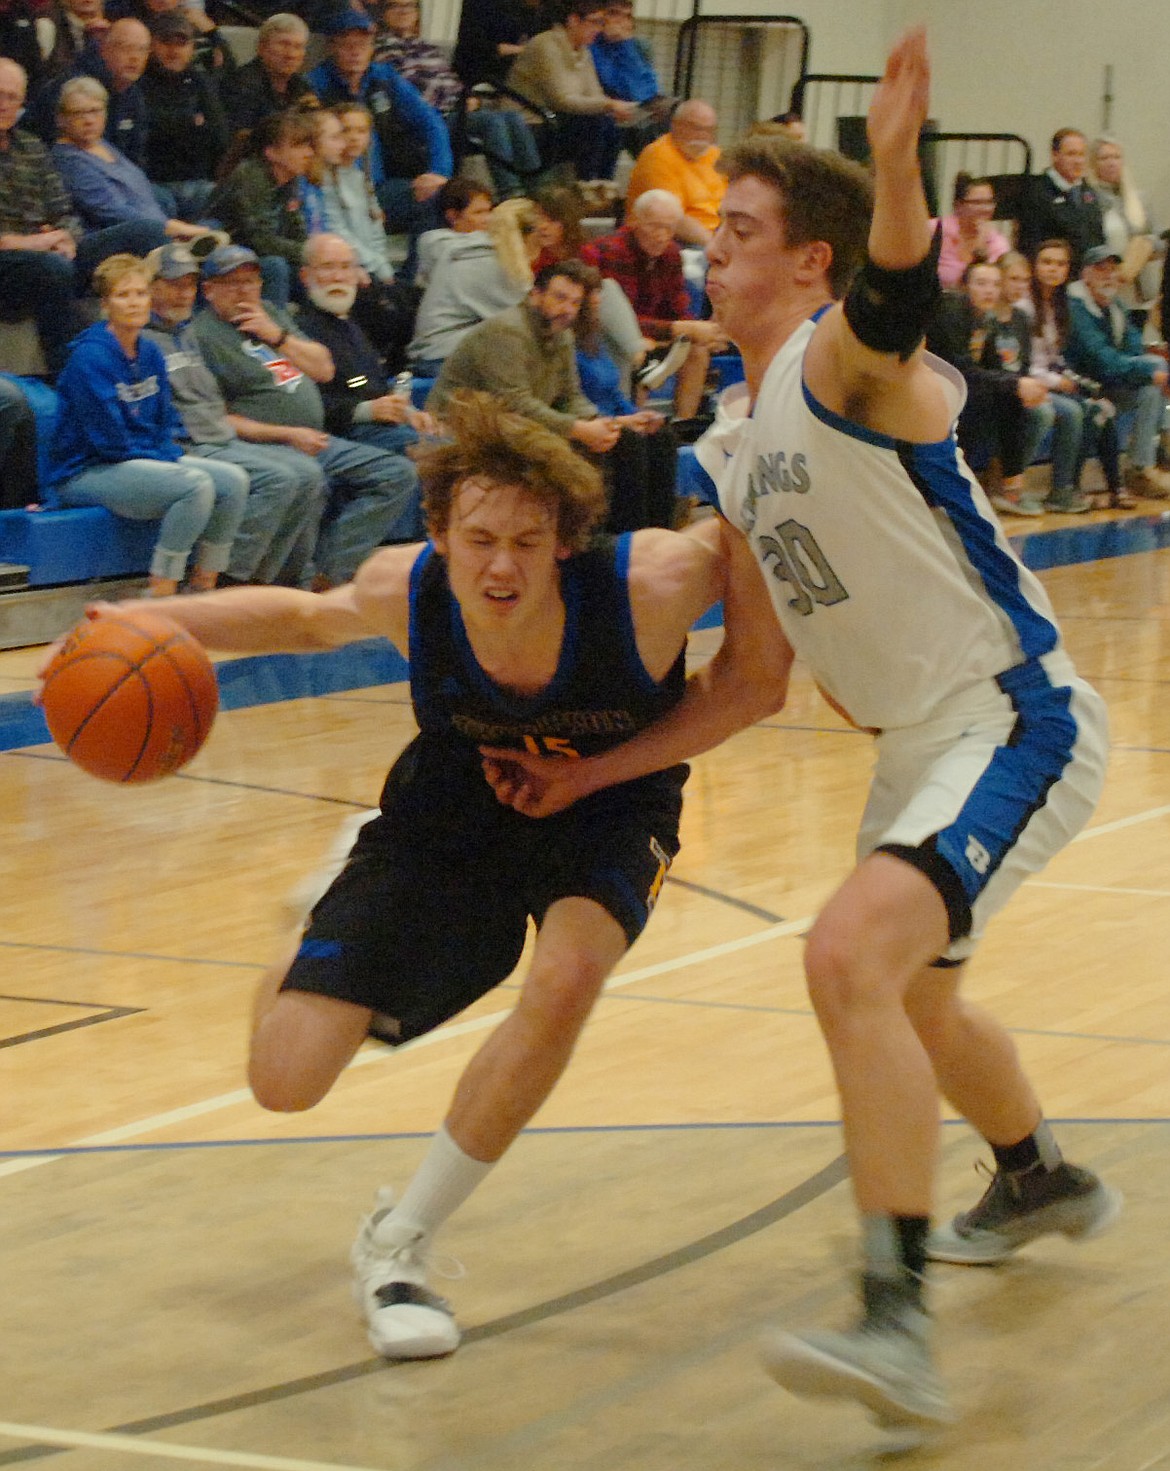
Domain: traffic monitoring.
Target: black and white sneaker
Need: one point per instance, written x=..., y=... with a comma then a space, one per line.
x=887, y=1368
x=655, y=373
x=1017, y=1209
x=406, y=1320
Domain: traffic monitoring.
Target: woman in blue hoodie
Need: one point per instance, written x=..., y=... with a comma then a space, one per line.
x=114, y=439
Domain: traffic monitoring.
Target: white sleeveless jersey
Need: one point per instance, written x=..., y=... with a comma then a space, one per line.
x=884, y=560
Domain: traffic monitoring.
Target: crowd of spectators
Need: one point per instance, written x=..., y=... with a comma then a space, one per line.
x=298, y=234
x=206, y=249
x=1058, y=339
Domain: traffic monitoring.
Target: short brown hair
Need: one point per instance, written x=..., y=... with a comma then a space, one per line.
x=824, y=197
x=492, y=443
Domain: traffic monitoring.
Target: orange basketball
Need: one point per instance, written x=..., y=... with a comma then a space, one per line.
x=130, y=696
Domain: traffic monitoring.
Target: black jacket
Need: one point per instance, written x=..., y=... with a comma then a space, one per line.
x=188, y=126
x=1049, y=213
x=359, y=374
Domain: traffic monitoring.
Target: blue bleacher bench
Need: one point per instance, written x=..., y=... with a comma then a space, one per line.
x=60, y=544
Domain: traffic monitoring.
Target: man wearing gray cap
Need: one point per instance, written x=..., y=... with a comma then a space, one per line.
x=1104, y=344
x=268, y=374
x=287, y=491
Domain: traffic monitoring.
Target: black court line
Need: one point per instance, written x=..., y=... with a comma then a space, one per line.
x=710, y=893
x=127, y=955
x=785, y=1205
x=837, y=730
x=112, y=1014
x=211, y=781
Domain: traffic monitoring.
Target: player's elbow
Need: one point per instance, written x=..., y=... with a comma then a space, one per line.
x=765, y=697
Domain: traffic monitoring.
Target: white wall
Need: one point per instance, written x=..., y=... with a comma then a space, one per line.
x=1030, y=67
x=1013, y=66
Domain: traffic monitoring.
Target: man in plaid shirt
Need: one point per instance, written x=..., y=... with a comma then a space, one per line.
x=44, y=260
x=645, y=261
x=38, y=231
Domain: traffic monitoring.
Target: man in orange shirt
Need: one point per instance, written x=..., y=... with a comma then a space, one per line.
x=683, y=162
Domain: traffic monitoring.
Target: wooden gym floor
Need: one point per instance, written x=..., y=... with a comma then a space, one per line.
x=175, y=1260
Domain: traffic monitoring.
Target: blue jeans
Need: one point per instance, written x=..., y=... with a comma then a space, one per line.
x=188, y=198
x=509, y=147
x=1065, y=416
x=45, y=285
x=372, y=494
x=395, y=439
x=196, y=501
x=1147, y=403
x=282, y=516
x=134, y=237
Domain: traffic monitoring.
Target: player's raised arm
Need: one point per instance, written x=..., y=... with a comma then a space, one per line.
x=745, y=681
x=864, y=360
x=270, y=620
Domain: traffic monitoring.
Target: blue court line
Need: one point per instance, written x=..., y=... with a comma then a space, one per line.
x=270, y=678
x=1042, y=550
x=264, y=679
x=717, y=1125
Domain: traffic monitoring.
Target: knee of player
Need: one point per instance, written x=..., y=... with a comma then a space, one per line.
x=278, y=1092
x=839, y=979
x=559, y=997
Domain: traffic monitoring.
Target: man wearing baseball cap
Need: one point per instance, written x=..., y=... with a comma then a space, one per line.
x=287, y=488
x=268, y=374
x=1104, y=344
x=410, y=150
x=189, y=131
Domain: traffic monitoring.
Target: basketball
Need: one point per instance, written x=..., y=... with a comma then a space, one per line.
x=129, y=696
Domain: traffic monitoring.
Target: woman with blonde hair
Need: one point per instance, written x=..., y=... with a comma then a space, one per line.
x=1129, y=226
x=113, y=441
x=477, y=276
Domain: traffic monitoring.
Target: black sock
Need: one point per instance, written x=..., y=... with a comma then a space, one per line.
x=1038, y=1150
x=891, y=1302
x=912, y=1233
x=894, y=1250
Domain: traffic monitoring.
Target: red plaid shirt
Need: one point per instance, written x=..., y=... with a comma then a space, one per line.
x=654, y=283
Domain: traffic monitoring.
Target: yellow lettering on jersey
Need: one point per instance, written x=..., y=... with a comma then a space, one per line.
x=660, y=877
x=550, y=746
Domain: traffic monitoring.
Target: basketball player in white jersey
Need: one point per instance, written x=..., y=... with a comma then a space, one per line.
x=892, y=581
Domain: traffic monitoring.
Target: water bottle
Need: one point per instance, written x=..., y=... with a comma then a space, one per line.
x=404, y=385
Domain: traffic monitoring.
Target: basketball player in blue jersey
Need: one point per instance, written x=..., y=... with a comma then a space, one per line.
x=521, y=629
x=890, y=578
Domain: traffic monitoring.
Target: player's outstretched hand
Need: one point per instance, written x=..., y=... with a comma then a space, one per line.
x=536, y=786
x=92, y=610
x=900, y=104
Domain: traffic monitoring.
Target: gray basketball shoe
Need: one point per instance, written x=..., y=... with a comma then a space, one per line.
x=406, y=1319
x=1019, y=1208
x=884, y=1366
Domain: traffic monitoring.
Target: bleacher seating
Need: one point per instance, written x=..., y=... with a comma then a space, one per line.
x=61, y=545
x=75, y=544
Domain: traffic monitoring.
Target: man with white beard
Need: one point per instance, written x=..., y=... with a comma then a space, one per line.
x=1104, y=345
x=359, y=404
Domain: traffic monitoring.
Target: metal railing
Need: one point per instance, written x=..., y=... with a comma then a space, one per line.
x=690, y=31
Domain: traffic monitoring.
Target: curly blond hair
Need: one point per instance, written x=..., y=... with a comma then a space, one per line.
x=511, y=226
x=492, y=443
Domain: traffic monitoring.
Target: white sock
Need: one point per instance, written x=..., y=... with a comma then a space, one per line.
x=440, y=1185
